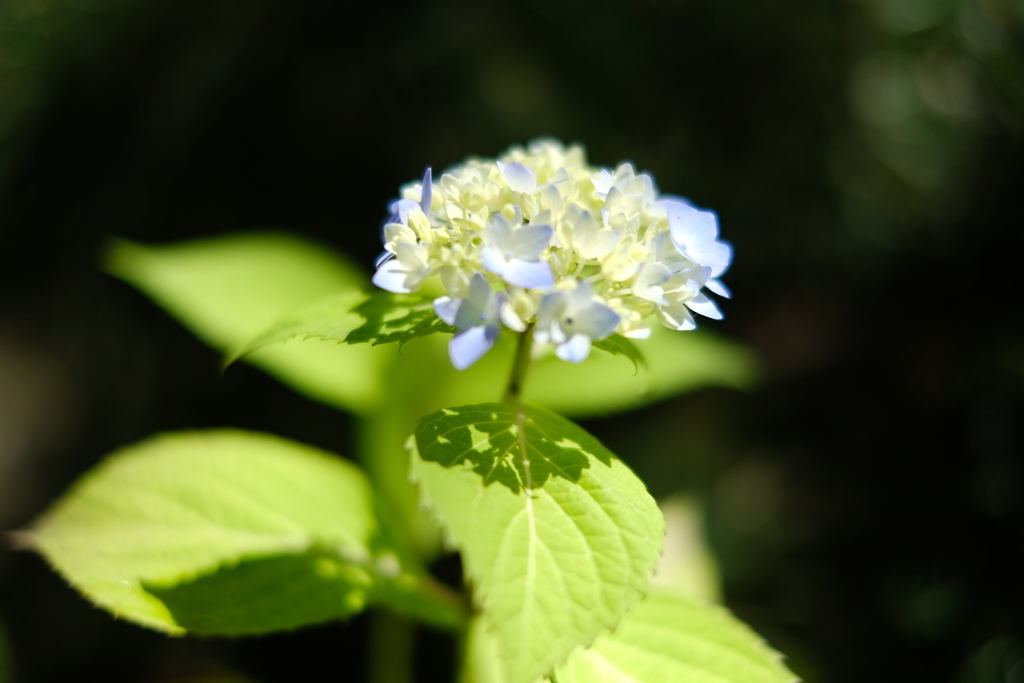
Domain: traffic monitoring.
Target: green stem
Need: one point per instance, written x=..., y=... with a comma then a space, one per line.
x=392, y=644
x=520, y=365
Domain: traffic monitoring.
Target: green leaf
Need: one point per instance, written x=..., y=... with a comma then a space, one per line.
x=557, y=534
x=396, y=318
x=617, y=345
x=669, y=638
x=229, y=532
x=328, y=320
x=227, y=290
x=376, y=317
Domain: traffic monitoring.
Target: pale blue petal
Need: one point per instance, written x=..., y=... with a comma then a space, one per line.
x=447, y=308
x=575, y=350
x=719, y=288
x=705, y=306
x=480, y=307
x=392, y=277
x=493, y=260
x=468, y=347
x=528, y=274
x=498, y=233
x=597, y=321
x=530, y=240
x=426, y=194
x=400, y=211
x=551, y=307
x=519, y=177
x=384, y=257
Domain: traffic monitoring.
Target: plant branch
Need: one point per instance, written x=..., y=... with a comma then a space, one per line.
x=520, y=365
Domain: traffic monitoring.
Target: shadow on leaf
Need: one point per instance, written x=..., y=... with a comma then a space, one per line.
x=395, y=318
x=486, y=439
x=266, y=594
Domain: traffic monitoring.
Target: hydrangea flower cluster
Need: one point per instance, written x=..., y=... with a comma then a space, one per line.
x=540, y=240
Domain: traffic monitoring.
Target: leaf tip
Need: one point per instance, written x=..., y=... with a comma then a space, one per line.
x=22, y=540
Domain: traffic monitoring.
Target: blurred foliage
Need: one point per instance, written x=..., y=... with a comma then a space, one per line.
x=230, y=289
x=5, y=658
x=40, y=42
x=932, y=81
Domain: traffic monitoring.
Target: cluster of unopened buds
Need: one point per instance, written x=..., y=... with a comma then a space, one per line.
x=538, y=240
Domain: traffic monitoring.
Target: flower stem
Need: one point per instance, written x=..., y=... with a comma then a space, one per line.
x=520, y=365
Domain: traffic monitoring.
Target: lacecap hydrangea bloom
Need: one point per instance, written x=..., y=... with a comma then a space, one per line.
x=539, y=240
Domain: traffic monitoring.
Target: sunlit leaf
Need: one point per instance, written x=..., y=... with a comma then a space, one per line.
x=376, y=317
x=665, y=638
x=422, y=380
x=557, y=535
x=229, y=289
x=669, y=638
x=229, y=532
x=329, y=320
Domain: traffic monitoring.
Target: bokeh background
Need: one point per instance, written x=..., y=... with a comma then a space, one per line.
x=866, y=158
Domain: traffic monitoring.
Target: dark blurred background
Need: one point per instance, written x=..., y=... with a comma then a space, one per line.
x=866, y=159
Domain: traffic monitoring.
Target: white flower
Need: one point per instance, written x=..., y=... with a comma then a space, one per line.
x=513, y=251
x=400, y=211
x=406, y=272
x=572, y=321
x=477, y=319
x=538, y=237
x=695, y=234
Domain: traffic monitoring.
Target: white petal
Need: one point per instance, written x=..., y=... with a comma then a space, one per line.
x=690, y=228
x=447, y=308
x=455, y=281
x=392, y=277
x=719, y=288
x=575, y=350
x=511, y=318
x=412, y=255
x=647, y=284
x=528, y=274
x=552, y=199
x=519, y=177
x=530, y=240
x=584, y=235
x=498, y=233
x=396, y=232
x=603, y=182
x=676, y=317
x=468, y=347
x=717, y=256
x=705, y=306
